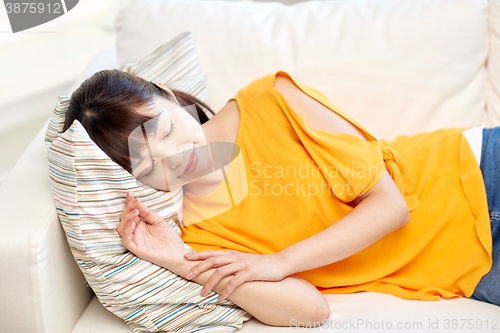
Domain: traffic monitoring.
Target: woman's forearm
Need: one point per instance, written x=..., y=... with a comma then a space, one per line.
x=373, y=218
x=280, y=303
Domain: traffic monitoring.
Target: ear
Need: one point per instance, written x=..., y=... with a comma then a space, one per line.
x=167, y=90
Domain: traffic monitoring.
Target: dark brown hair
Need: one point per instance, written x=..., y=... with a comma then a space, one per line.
x=106, y=103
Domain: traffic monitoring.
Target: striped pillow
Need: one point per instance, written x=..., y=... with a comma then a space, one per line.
x=89, y=192
x=171, y=64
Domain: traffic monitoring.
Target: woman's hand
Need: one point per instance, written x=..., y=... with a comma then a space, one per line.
x=155, y=241
x=244, y=266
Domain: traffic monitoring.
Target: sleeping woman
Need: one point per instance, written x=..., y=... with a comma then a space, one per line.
x=305, y=203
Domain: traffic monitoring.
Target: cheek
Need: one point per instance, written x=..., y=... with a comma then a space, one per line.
x=199, y=135
x=197, y=131
x=191, y=130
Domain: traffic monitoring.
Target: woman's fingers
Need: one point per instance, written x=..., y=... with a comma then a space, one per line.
x=202, y=255
x=129, y=196
x=128, y=234
x=218, y=275
x=131, y=216
x=123, y=227
x=207, y=264
x=128, y=199
x=147, y=214
x=131, y=203
x=234, y=283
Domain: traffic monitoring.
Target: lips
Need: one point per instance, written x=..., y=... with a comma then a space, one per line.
x=192, y=163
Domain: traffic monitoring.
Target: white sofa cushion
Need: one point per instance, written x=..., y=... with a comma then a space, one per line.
x=397, y=67
x=365, y=312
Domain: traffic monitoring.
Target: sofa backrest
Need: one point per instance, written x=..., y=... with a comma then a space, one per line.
x=397, y=67
x=493, y=66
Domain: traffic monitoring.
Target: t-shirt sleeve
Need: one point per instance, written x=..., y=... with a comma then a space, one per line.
x=351, y=166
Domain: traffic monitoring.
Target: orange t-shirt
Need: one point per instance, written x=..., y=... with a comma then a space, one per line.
x=288, y=183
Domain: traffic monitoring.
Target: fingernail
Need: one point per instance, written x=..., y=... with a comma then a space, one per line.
x=188, y=276
x=188, y=255
x=202, y=292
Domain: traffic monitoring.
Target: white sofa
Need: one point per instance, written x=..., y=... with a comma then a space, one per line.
x=397, y=67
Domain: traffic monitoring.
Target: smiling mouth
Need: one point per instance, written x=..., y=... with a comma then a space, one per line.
x=192, y=163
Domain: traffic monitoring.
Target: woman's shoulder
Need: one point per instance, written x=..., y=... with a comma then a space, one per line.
x=255, y=86
x=262, y=84
x=269, y=81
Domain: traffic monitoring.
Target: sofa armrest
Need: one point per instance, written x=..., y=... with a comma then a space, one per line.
x=42, y=288
x=105, y=59
x=41, y=285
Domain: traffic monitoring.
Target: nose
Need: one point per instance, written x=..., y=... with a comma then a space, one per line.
x=175, y=158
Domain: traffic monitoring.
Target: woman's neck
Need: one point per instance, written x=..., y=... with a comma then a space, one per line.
x=222, y=127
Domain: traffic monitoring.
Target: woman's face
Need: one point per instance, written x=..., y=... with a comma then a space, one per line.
x=169, y=150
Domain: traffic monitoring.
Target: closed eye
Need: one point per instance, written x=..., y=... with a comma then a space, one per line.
x=171, y=130
x=150, y=171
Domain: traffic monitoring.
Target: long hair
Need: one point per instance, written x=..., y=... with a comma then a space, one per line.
x=106, y=104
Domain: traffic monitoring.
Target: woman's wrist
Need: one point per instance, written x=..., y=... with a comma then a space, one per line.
x=175, y=261
x=285, y=265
